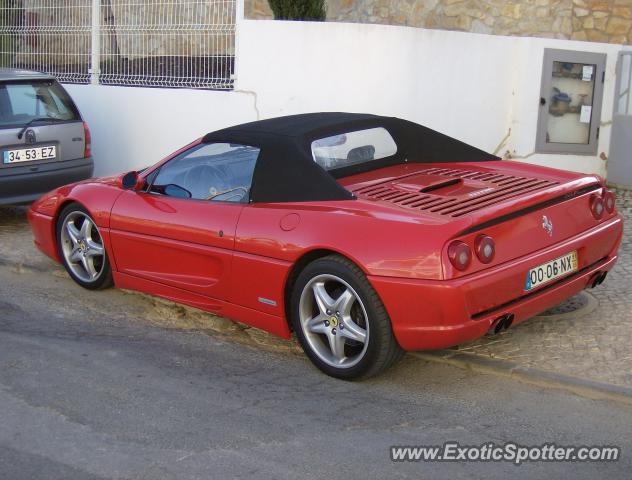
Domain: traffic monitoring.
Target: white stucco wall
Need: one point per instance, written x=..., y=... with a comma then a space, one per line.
x=453, y=82
x=135, y=127
x=474, y=87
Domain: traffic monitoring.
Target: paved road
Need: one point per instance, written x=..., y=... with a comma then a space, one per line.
x=92, y=386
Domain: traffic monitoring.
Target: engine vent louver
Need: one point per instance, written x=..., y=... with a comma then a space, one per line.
x=504, y=187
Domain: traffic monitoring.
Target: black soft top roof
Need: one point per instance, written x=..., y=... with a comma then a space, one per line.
x=287, y=172
x=297, y=125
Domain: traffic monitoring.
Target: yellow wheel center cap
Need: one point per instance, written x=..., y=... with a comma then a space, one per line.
x=333, y=321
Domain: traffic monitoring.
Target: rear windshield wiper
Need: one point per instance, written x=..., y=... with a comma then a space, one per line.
x=38, y=119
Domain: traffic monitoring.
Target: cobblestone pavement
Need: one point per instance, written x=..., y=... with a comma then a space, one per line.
x=596, y=345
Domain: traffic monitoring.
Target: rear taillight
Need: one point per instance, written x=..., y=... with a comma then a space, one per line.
x=609, y=201
x=460, y=255
x=485, y=248
x=87, y=149
x=596, y=206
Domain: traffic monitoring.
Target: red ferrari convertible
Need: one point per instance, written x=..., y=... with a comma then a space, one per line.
x=364, y=235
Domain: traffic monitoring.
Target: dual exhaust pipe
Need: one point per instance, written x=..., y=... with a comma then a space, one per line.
x=597, y=279
x=501, y=323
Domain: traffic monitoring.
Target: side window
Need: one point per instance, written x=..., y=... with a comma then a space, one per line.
x=211, y=171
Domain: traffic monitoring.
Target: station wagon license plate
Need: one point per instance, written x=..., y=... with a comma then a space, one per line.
x=551, y=270
x=30, y=154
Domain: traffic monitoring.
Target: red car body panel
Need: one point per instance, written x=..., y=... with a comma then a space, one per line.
x=236, y=259
x=196, y=236
x=437, y=314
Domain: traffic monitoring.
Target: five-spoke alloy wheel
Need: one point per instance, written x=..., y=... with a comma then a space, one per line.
x=334, y=321
x=340, y=321
x=81, y=248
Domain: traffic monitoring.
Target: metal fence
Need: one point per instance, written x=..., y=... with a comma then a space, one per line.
x=162, y=43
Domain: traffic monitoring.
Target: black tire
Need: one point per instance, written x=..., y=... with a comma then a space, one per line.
x=104, y=277
x=382, y=350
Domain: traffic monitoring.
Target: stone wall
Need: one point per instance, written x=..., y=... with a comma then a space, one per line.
x=608, y=21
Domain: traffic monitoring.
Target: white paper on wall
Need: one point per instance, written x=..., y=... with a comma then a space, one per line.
x=587, y=73
x=584, y=116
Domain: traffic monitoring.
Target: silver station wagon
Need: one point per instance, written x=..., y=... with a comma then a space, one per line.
x=44, y=142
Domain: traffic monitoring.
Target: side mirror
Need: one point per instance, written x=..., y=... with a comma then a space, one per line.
x=131, y=181
x=177, y=191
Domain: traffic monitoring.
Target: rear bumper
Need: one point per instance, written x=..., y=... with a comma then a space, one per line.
x=432, y=314
x=25, y=183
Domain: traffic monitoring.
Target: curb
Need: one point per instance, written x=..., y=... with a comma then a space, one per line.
x=505, y=368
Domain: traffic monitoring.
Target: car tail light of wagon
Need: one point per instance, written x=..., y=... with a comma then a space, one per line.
x=87, y=149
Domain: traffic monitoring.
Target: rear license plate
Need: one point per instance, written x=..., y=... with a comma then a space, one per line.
x=551, y=270
x=30, y=154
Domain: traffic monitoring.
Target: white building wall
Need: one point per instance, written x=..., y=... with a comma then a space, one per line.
x=135, y=127
x=452, y=82
x=482, y=89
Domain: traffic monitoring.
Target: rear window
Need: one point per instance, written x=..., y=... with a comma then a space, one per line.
x=21, y=102
x=350, y=148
